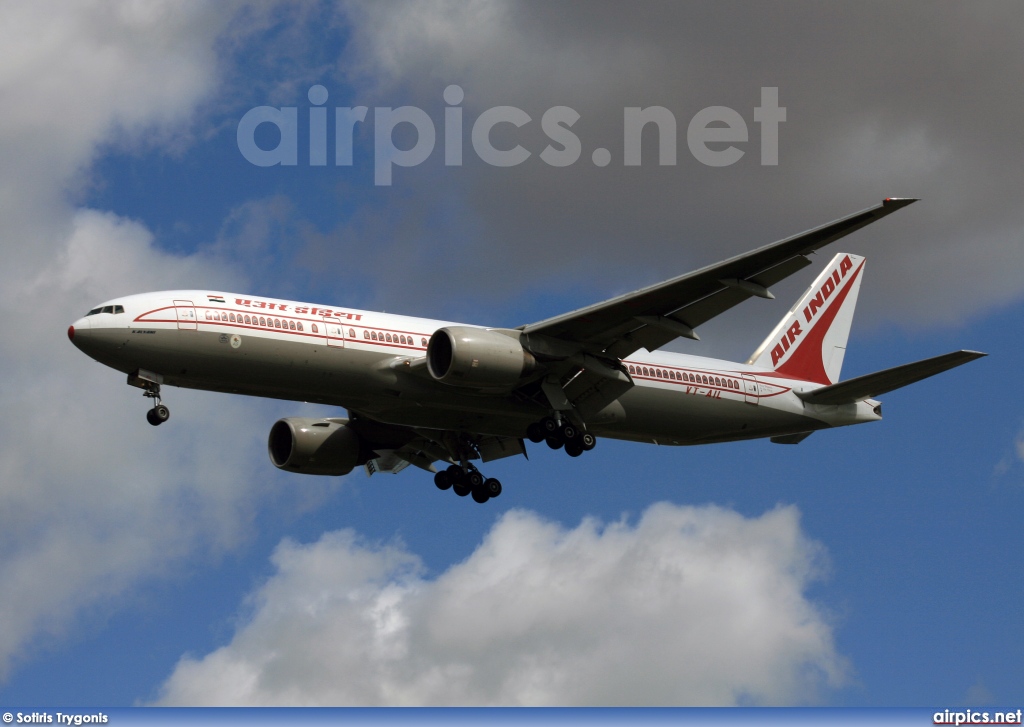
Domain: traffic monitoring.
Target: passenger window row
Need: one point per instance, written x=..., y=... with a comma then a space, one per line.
x=265, y=322
x=390, y=337
x=672, y=375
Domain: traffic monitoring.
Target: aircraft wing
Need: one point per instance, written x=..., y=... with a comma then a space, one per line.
x=651, y=317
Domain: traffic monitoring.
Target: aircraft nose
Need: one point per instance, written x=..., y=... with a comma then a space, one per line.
x=78, y=332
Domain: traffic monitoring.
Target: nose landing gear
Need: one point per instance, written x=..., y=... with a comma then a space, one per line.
x=150, y=382
x=158, y=415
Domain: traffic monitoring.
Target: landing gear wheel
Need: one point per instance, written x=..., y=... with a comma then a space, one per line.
x=569, y=433
x=492, y=487
x=549, y=426
x=480, y=495
x=455, y=474
x=588, y=441
x=475, y=479
x=158, y=415
x=442, y=480
x=535, y=433
x=461, y=490
x=573, y=449
x=554, y=442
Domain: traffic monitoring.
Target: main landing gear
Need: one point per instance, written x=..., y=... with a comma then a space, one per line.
x=468, y=480
x=561, y=434
x=159, y=413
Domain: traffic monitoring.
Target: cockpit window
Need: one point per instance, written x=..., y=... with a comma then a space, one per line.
x=93, y=312
x=119, y=309
x=107, y=309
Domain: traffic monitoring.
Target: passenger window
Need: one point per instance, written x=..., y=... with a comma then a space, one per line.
x=387, y=337
x=314, y=328
x=366, y=334
x=718, y=381
x=209, y=316
x=263, y=321
x=277, y=323
x=298, y=326
x=646, y=373
x=373, y=335
x=351, y=332
x=291, y=325
x=424, y=342
x=631, y=369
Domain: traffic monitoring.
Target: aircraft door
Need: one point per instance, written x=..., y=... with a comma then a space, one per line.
x=185, y=312
x=749, y=389
x=335, y=332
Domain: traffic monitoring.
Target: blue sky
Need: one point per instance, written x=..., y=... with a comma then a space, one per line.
x=872, y=566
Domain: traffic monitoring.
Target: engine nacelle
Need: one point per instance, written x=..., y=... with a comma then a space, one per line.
x=313, y=446
x=477, y=358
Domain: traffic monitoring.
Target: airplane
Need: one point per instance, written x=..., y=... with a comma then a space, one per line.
x=425, y=392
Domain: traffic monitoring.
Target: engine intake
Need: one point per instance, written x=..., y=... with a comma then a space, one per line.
x=313, y=446
x=477, y=358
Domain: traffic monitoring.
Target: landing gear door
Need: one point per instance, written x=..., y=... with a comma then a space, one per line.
x=749, y=389
x=335, y=332
x=185, y=312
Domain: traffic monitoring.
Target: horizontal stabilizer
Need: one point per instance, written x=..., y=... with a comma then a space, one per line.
x=880, y=382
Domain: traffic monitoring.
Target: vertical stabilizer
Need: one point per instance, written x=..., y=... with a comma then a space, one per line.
x=810, y=342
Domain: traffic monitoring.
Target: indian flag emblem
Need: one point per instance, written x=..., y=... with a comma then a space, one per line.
x=216, y=298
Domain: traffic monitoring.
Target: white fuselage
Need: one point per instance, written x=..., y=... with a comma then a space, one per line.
x=361, y=360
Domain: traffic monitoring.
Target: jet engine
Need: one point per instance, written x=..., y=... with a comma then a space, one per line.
x=313, y=446
x=477, y=358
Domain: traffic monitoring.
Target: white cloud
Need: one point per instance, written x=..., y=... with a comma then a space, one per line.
x=687, y=606
x=91, y=499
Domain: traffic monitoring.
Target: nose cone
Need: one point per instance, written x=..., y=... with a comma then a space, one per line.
x=79, y=333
